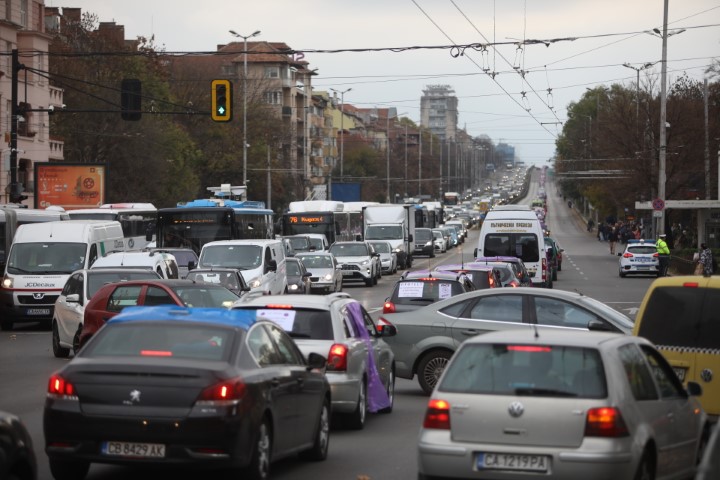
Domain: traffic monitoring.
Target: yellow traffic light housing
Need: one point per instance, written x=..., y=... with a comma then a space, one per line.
x=221, y=100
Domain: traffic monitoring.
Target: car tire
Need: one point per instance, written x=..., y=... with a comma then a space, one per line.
x=76, y=339
x=259, y=467
x=321, y=443
x=58, y=350
x=431, y=367
x=646, y=467
x=621, y=274
x=356, y=420
x=390, y=390
x=560, y=267
x=369, y=282
x=68, y=470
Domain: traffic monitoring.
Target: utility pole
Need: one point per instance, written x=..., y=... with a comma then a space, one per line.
x=707, y=141
x=420, y=162
x=663, y=117
x=15, y=188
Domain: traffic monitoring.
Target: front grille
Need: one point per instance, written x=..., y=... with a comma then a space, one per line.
x=29, y=300
x=351, y=267
x=314, y=279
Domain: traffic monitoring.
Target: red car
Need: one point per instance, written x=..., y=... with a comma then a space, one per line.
x=113, y=297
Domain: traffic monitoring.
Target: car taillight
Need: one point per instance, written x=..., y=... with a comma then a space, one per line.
x=60, y=388
x=605, y=422
x=388, y=307
x=437, y=415
x=337, y=358
x=544, y=269
x=227, y=392
x=513, y=284
x=382, y=323
x=627, y=255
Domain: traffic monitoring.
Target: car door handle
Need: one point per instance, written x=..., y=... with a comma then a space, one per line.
x=470, y=332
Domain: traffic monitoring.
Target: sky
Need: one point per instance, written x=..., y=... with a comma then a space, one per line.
x=513, y=95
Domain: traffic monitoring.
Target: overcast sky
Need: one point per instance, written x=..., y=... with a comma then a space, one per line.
x=494, y=107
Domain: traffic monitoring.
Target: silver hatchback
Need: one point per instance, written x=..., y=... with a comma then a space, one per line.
x=560, y=404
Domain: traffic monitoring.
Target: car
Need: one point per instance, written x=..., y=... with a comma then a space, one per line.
x=388, y=257
x=339, y=328
x=186, y=258
x=439, y=240
x=560, y=404
x=299, y=243
x=452, y=234
x=481, y=275
x=520, y=273
x=70, y=305
x=424, y=242
x=358, y=261
x=201, y=387
x=418, y=288
x=230, y=278
x=709, y=468
x=318, y=241
x=326, y=275
x=17, y=456
x=156, y=261
x=423, y=348
x=297, y=276
x=639, y=258
x=112, y=298
x=553, y=255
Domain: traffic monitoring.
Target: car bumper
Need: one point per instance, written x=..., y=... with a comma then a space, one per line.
x=344, y=392
x=598, y=459
x=425, y=251
x=322, y=287
x=12, y=312
x=364, y=274
x=649, y=268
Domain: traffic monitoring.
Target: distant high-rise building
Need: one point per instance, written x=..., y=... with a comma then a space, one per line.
x=439, y=111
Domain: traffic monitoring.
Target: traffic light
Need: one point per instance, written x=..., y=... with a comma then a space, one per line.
x=221, y=100
x=131, y=99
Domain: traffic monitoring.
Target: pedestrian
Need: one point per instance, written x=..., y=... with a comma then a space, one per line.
x=590, y=225
x=613, y=238
x=663, y=255
x=705, y=263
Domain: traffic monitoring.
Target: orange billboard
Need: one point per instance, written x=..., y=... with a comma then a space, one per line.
x=70, y=185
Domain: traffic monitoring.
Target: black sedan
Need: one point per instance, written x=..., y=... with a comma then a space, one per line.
x=187, y=386
x=17, y=458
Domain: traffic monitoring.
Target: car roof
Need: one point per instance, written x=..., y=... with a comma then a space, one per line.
x=549, y=335
x=498, y=259
x=168, y=282
x=176, y=314
x=418, y=274
x=465, y=266
x=293, y=300
x=214, y=270
x=245, y=241
x=315, y=254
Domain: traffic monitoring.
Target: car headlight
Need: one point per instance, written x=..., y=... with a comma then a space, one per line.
x=7, y=282
x=254, y=283
x=398, y=250
x=328, y=276
x=428, y=244
x=292, y=287
x=365, y=262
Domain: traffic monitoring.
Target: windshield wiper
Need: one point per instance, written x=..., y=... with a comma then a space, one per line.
x=422, y=299
x=17, y=270
x=544, y=391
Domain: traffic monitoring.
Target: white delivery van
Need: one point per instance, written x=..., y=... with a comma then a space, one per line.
x=517, y=233
x=163, y=263
x=42, y=257
x=261, y=262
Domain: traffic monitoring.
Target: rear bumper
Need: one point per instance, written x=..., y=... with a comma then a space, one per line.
x=344, y=392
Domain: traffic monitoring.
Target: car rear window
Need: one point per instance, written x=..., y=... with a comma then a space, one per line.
x=206, y=296
x=521, y=245
x=479, y=279
x=162, y=340
x=682, y=317
x=99, y=278
x=644, y=250
x=299, y=323
x=537, y=370
x=412, y=292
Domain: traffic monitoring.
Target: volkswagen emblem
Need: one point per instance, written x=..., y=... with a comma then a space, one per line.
x=706, y=375
x=38, y=296
x=516, y=409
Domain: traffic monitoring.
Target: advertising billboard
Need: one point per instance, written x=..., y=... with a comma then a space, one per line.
x=70, y=185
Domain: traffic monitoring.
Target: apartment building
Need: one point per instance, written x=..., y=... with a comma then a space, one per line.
x=439, y=111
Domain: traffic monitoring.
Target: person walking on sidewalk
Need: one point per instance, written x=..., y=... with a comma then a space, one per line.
x=663, y=255
x=612, y=239
x=705, y=262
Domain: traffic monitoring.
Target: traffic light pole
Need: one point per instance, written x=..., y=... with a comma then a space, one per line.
x=15, y=189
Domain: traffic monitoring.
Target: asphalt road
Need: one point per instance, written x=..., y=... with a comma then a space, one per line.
x=385, y=449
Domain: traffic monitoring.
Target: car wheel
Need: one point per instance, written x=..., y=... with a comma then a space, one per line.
x=646, y=467
x=369, y=281
x=390, y=392
x=431, y=367
x=321, y=443
x=68, y=470
x=357, y=418
x=76, y=339
x=622, y=275
x=58, y=350
x=259, y=467
x=560, y=267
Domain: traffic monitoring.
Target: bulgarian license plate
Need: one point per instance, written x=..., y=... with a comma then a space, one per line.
x=680, y=372
x=131, y=449
x=510, y=461
x=38, y=311
x=348, y=273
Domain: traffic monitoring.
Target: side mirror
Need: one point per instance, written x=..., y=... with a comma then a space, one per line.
x=73, y=298
x=598, y=326
x=694, y=389
x=475, y=253
x=192, y=265
x=619, y=254
x=307, y=275
x=358, y=238
x=316, y=361
x=388, y=331
x=410, y=238
x=271, y=266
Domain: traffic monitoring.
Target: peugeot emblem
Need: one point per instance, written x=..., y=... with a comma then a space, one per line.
x=135, y=396
x=38, y=296
x=516, y=409
x=706, y=375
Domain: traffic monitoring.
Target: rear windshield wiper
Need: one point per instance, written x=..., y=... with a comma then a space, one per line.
x=544, y=392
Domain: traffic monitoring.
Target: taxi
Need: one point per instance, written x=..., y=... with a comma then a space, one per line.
x=639, y=257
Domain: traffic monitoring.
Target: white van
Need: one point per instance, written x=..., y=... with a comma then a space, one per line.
x=42, y=257
x=515, y=233
x=262, y=262
x=163, y=263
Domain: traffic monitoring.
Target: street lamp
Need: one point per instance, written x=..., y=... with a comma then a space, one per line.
x=637, y=90
x=342, y=127
x=387, y=149
x=245, y=39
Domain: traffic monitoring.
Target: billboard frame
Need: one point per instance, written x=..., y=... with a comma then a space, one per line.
x=54, y=180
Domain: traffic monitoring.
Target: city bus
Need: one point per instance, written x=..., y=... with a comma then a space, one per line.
x=451, y=198
x=12, y=216
x=136, y=220
x=195, y=223
x=318, y=216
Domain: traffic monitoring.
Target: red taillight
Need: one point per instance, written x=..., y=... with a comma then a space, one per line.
x=528, y=348
x=156, y=353
x=60, y=387
x=437, y=415
x=337, y=358
x=691, y=284
x=513, y=284
x=605, y=422
x=544, y=269
x=227, y=391
x=656, y=255
x=388, y=307
x=627, y=255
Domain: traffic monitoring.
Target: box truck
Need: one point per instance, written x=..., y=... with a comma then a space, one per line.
x=395, y=224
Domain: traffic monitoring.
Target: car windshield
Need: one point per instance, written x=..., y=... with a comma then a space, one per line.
x=292, y=268
x=382, y=247
x=349, y=250
x=299, y=243
x=244, y=257
x=412, y=292
x=423, y=235
x=316, y=243
x=383, y=232
x=205, y=296
x=228, y=280
x=97, y=278
x=46, y=258
x=317, y=261
x=530, y=370
x=162, y=341
x=643, y=250
x=299, y=322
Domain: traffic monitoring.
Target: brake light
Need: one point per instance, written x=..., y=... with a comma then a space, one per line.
x=656, y=255
x=544, y=269
x=437, y=415
x=337, y=358
x=691, y=284
x=628, y=255
x=61, y=388
x=156, y=353
x=528, y=348
x=280, y=307
x=513, y=284
x=229, y=391
x=605, y=422
x=388, y=307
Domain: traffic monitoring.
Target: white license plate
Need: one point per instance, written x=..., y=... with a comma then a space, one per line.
x=509, y=461
x=38, y=311
x=131, y=449
x=680, y=372
x=348, y=273
x=643, y=268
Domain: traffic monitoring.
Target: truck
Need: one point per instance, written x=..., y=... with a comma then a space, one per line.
x=395, y=224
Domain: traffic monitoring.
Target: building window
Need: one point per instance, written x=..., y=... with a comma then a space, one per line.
x=24, y=13
x=228, y=69
x=272, y=72
x=273, y=98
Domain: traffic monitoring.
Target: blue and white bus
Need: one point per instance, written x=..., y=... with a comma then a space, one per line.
x=136, y=220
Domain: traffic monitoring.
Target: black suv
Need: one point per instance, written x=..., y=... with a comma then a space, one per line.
x=424, y=242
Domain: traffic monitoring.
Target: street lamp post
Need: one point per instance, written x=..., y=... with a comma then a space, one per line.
x=387, y=151
x=342, y=126
x=637, y=91
x=406, y=143
x=245, y=39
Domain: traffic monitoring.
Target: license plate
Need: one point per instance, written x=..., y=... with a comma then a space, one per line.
x=509, y=461
x=680, y=372
x=130, y=449
x=643, y=268
x=38, y=311
x=348, y=273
